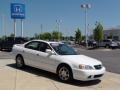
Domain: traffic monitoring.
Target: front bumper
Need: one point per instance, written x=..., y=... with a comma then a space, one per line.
x=87, y=75
x=114, y=45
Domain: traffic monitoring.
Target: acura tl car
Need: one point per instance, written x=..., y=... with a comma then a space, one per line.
x=58, y=58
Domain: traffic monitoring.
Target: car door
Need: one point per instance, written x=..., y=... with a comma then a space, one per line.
x=45, y=60
x=30, y=53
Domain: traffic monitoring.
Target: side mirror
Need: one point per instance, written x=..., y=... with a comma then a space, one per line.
x=49, y=51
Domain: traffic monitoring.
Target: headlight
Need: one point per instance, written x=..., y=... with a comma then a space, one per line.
x=86, y=67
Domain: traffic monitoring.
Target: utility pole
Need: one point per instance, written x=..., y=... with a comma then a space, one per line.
x=86, y=7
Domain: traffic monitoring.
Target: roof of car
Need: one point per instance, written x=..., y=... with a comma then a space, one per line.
x=48, y=41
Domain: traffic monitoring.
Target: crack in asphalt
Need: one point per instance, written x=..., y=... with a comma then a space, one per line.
x=54, y=84
x=15, y=80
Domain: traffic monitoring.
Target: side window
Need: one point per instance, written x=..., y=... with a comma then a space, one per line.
x=107, y=40
x=43, y=46
x=32, y=45
x=104, y=40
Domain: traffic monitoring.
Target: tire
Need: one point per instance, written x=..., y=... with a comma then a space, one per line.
x=0, y=48
x=65, y=73
x=107, y=46
x=19, y=62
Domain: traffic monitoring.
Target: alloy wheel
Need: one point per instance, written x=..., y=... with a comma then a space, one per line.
x=64, y=73
x=19, y=62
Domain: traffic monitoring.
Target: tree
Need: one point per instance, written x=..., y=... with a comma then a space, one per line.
x=3, y=37
x=98, y=32
x=78, y=36
x=71, y=38
x=56, y=35
x=12, y=35
x=46, y=36
x=83, y=38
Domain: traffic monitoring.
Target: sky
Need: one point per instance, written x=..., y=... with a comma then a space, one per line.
x=68, y=12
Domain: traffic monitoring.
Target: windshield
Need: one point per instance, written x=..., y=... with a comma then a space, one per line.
x=63, y=49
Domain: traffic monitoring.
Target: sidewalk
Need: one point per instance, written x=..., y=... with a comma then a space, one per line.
x=34, y=79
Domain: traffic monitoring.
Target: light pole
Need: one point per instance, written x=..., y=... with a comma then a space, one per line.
x=14, y=28
x=86, y=7
x=3, y=24
x=41, y=26
x=58, y=27
x=21, y=27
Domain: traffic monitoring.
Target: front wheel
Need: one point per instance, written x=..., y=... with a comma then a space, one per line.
x=19, y=62
x=64, y=73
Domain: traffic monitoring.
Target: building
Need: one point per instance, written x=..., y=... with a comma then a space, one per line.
x=112, y=33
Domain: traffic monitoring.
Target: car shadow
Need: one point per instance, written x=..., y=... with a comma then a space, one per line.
x=49, y=75
x=5, y=50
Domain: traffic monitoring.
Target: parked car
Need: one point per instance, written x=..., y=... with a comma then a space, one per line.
x=8, y=42
x=92, y=43
x=58, y=58
x=83, y=43
x=108, y=43
x=0, y=43
x=69, y=43
x=118, y=42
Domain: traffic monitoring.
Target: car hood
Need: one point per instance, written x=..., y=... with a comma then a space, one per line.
x=81, y=59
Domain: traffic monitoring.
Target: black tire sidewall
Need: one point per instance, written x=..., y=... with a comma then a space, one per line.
x=22, y=61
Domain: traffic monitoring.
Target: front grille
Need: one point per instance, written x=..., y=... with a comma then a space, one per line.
x=98, y=67
x=97, y=76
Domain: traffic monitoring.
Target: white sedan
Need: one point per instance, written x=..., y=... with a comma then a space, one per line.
x=58, y=58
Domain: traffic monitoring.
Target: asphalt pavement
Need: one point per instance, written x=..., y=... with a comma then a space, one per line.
x=5, y=55
x=109, y=57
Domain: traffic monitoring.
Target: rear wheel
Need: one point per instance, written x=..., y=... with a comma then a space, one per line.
x=64, y=73
x=19, y=62
x=0, y=48
x=107, y=46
